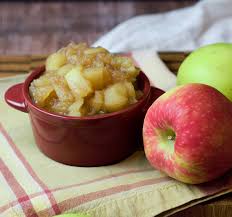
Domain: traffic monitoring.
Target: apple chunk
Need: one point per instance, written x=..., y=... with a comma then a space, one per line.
x=116, y=97
x=64, y=69
x=130, y=91
x=77, y=83
x=61, y=88
x=42, y=94
x=96, y=77
x=42, y=90
x=75, y=108
x=55, y=61
x=97, y=101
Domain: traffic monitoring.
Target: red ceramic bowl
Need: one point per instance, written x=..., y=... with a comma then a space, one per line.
x=85, y=141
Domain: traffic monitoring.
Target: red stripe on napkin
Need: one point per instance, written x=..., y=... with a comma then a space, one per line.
x=22, y=197
x=80, y=200
x=124, y=173
x=102, y=179
x=46, y=190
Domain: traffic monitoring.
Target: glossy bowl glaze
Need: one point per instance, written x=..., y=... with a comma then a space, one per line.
x=85, y=141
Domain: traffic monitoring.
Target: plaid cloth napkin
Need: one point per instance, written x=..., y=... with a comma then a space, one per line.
x=33, y=185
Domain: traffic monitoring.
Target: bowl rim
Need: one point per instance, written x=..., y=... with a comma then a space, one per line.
x=39, y=70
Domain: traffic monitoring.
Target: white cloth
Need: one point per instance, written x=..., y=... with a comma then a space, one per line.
x=157, y=72
x=208, y=21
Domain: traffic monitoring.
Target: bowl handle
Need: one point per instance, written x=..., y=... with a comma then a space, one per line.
x=14, y=97
x=154, y=94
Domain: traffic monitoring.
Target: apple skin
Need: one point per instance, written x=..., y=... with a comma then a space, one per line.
x=211, y=65
x=187, y=133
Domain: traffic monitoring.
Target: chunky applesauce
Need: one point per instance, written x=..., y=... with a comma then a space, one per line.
x=81, y=81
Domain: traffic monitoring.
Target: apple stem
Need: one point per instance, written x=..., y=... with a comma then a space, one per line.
x=166, y=138
x=171, y=137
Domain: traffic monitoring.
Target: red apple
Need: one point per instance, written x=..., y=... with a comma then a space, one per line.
x=187, y=133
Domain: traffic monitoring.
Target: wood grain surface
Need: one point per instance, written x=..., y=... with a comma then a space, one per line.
x=32, y=28
x=39, y=28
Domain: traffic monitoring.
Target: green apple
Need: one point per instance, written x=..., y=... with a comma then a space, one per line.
x=212, y=65
x=72, y=215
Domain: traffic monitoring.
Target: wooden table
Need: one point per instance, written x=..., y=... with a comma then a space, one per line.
x=32, y=28
x=40, y=28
